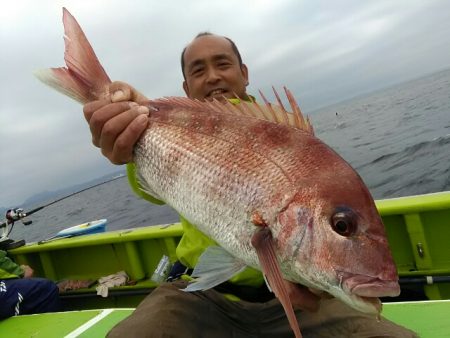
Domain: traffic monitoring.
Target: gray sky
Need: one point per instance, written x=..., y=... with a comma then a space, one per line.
x=324, y=51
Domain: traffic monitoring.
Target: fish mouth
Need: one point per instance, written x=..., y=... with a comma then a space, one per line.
x=377, y=288
x=364, y=291
x=370, y=304
x=368, y=286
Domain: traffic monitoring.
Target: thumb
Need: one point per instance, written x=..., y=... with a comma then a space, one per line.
x=121, y=91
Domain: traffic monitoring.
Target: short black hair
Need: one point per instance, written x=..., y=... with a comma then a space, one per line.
x=199, y=35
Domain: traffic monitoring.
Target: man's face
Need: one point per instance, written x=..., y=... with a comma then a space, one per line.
x=212, y=70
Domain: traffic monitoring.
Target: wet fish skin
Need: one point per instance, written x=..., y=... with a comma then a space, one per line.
x=230, y=173
x=218, y=169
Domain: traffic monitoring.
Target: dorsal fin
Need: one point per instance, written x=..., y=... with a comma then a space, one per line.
x=274, y=113
x=267, y=111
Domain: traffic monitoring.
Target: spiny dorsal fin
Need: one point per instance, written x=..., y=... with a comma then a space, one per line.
x=274, y=113
x=267, y=111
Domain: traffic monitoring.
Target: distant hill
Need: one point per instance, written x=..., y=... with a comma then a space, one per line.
x=45, y=197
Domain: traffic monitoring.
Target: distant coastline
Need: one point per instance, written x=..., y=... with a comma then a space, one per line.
x=48, y=196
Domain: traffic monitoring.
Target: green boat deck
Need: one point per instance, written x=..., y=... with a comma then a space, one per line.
x=430, y=319
x=86, y=323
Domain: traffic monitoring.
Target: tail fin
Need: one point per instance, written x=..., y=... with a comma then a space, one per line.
x=84, y=79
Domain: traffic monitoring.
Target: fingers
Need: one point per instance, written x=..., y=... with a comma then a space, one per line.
x=121, y=132
x=116, y=127
x=119, y=91
x=103, y=113
x=117, y=121
x=27, y=271
x=89, y=109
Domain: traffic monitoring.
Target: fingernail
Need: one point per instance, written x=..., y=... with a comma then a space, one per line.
x=133, y=104
x=143, y=110
x=142, y=119
x=117, y=96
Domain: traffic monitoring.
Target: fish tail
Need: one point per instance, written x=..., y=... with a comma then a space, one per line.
x=84, y=78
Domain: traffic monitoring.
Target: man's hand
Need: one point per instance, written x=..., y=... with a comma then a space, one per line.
x=27, y=271
x=117, y=121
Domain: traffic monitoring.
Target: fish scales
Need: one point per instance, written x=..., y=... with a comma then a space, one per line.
x=234, y=170
x=212, y=176
x=232, y=166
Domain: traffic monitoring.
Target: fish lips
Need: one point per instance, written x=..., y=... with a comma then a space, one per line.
x=368, y=286
x=364, y=291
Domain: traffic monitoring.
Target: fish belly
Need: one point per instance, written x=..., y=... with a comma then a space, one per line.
x=214, y=183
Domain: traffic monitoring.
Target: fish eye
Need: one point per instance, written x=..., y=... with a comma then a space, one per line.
x=344, y=222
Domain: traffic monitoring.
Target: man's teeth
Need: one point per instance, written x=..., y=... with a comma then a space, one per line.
x=217, y=92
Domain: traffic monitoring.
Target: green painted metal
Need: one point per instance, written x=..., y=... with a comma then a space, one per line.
x=137, y=251
x=47, y=265
x=135, y=263
x=104, y=326
x=418, y=229
x=412, y=204
x=430, y=319
x=80, y=324
x=49, y=325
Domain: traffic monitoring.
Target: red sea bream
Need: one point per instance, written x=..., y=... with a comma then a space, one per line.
x=256, y=180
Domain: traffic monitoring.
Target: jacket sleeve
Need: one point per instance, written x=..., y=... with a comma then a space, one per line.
x=9, y=269
x=136, y=187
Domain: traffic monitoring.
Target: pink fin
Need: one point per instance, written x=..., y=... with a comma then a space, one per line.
x=263, y=243
x=276, y=113
x=266, y=111
x=84, y=79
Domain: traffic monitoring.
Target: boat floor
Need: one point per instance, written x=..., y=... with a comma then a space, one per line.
x=430, y=319
x=86, y=323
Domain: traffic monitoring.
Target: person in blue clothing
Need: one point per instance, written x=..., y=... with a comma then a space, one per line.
x=213, y=69
x=21, y=294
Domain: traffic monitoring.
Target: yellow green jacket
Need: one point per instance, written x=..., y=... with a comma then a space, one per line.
x=9, y=269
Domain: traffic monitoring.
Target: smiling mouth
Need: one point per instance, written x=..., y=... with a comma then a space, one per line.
x=216, y=93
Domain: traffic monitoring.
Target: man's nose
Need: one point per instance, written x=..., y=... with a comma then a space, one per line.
x=212, y=75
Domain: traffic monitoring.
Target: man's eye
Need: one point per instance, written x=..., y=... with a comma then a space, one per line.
x=196, y=71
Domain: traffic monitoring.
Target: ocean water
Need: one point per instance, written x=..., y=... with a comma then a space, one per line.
x=398, y=139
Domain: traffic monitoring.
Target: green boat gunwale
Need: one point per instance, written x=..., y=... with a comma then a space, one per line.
x=412, y=220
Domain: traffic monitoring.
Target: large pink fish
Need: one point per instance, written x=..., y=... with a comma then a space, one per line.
x=256, y=180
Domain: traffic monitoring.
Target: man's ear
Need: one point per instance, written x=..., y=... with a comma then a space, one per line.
x=244, y=71
x=186, y=89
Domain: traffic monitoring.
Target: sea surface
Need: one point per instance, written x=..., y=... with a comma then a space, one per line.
x=398, y=139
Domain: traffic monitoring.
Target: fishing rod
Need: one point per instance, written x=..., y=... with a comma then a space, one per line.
x=429, y=280
x=18, y=214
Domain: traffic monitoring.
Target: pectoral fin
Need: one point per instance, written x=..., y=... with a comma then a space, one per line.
x=214, y=267
x=263, y=243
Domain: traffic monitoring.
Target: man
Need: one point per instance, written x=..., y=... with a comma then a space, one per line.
x=213, y=68
x=21, y=294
